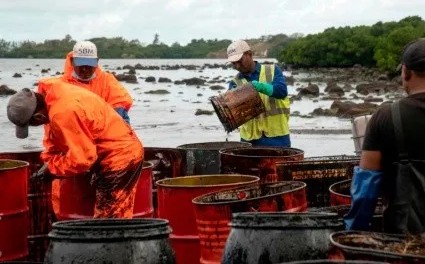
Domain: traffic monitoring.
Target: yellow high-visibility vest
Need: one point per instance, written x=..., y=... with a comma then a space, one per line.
x=272, y=123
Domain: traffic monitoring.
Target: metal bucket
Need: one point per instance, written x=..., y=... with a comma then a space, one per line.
x=13, y=209
x=319, y=173
x=175, y=204
x=356, y=245
x=339, y=193
x=276, y=237
x=204, y=158
x=41, y=214
x=237, y=106
x=214, y=210
x=257, y=161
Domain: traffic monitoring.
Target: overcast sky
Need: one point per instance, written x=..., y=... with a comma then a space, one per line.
x=184, y=20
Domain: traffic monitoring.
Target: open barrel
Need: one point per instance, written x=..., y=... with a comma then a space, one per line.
x=77, y=196
x=214, y=210
x=175, y=204
x=258, y=161
x=118, y=241
x=13, y=209
x=277, y=237
x=204, y=158
x=40, y=209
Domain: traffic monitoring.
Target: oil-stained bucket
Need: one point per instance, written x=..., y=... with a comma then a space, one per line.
x=204, y=158
x=40, y=210
x=339, y=193
x=214, y=210
x=237, y=106
x=358, y=245
x=13, y=209
x=258, y=161
x=77, y=196
x=175, y=204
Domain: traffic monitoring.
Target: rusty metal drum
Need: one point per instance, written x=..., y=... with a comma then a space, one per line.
x=258, y=161
x=237, y=106
x=319, y=173
x=204, y=157
x=214, y=210
x=175, y=204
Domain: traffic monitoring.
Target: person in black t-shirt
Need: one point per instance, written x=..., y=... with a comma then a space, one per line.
x=376, y=174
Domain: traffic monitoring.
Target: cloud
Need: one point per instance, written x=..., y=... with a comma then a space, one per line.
x=184, y=20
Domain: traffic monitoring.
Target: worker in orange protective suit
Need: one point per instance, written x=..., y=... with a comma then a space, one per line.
x=86, y=134
x=82, y=69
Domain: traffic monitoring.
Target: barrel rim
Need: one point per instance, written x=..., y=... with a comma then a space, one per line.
x=197, y=200
x=197, y=144
x=85, y=224
x=321, y=220
x=22, y=164
x=29, y=151
x=339, y=194
x=147, y=164
x=334, y=261
x=227, y=150
x=160, y=183
x=76, y=230
x=375, y=252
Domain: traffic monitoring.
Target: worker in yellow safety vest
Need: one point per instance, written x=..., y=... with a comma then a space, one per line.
x=270, y=128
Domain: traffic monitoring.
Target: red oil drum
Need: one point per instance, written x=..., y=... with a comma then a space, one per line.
x=319, y=173
x=339, y=193
x=214, y=211
x=41, y=214
x=257, y=161
x=143, y=206
x=388, y=248
x=13, y=209
x=77, y=196
x=167, y=163
x=175, y=204
x=204, y=158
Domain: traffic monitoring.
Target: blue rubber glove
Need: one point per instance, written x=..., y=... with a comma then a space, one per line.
x=123, y=113
x=365, y=190
x=264, y=88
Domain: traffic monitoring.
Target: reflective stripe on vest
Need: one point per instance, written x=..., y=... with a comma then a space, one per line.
x=272, y=123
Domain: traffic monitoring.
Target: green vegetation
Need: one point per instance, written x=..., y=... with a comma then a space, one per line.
x=379, y=45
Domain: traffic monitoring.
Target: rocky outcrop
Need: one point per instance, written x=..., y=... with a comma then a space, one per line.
x=4, y=90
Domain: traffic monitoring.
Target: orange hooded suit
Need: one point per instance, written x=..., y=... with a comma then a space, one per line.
x=85, y=131
x=104, y=85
